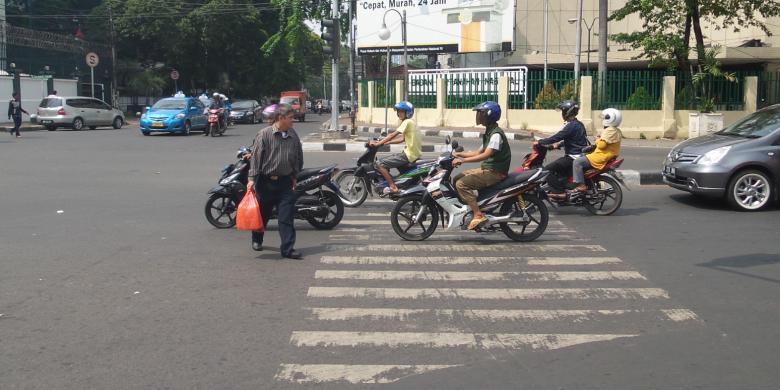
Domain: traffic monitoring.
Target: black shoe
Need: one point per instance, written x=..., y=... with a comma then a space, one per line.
x=293, y=254
x=257, y=246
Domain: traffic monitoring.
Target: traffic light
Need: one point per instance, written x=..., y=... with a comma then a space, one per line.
x=330, y=34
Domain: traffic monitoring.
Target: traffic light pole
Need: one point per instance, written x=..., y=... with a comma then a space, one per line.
x=334, y=111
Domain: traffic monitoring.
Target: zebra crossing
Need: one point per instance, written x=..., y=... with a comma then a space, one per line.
x=380, y=309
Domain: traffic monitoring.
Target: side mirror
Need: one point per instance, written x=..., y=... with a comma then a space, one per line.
x=147, y=108
x=459, y=149
x=447, y=140
x=455, y=145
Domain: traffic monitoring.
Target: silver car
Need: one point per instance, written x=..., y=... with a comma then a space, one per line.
x=77, y=112
x=740, y=162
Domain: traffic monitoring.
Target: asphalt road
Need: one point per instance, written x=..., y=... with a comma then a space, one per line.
x=110, y=277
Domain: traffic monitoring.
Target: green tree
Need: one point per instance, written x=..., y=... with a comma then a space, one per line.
x=547, y=98
x=568, y=91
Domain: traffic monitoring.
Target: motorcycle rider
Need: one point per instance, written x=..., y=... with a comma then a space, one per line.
x=574, y=137
x=494, y=154
x=607, y=146
x=216, y=104
x=410, y=135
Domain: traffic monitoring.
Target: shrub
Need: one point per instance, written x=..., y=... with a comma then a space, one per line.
x=547, y=98
x=641, y=100
x=568, y=92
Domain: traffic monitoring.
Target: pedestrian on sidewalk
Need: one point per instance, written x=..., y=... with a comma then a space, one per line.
x=277, y=157
x=15, y=110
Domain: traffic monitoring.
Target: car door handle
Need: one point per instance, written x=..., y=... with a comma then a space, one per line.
x=771, y=154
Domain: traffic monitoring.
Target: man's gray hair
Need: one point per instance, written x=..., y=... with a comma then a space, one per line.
x=282, y=110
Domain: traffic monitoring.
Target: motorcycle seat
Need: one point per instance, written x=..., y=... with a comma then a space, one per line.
x=309, y=172
x=408, y=167
x=593, y=171
x=511, y=180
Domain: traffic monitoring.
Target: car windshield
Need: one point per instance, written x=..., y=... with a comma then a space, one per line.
x=246, y=105
x=170, y=104
x=50, y=103
x=290, y=100
x=755, y=125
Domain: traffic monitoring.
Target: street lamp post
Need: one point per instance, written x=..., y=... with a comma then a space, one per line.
x=384, y=34
x=592, y=22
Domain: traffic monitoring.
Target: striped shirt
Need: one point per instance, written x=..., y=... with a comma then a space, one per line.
x=275, y=155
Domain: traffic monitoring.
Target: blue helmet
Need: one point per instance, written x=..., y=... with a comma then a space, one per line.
x=406, y=107
x=492, y=109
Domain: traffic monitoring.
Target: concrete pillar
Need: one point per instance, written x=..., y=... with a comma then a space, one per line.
x=503, y=101
x=668, y=123
x=399, y=91
x=441, y=100
x=369, y=116
x=751, y=94
x=586, y=104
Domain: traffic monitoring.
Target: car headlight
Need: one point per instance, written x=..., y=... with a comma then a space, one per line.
x=247, y=112
x=143, y=116
x=179, y=116
x=713, y=156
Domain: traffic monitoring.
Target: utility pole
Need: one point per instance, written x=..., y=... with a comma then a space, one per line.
x=334, y=111
x=353, y=130
x=546, y=8
x=114, y=94
x=579, y=49
x=603, y=24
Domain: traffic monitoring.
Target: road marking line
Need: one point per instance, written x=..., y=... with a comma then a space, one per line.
x=547, y=341
x=680, y=315
x=466, y=247
x=355, y=374
x=434, y=260
x=486, y=293
x=477, y=276
x=385, y=314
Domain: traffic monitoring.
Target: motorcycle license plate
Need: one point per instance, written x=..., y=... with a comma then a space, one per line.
x=158, y=124
x=669, y=171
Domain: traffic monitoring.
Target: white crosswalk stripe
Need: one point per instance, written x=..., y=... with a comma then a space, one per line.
x=475, y=276
x=487, y=293
x=463, y=260
x=352, y=373
x=527, y=315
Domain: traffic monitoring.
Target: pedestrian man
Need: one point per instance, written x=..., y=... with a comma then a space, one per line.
x=15, y=110
x=277, y=157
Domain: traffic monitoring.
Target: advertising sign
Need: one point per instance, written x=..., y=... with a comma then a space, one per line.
x=437, y=26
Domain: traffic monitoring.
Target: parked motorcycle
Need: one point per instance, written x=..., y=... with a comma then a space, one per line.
x=317, y=202
x=604, y=195
x=215, y=125
x=514, y=206
x=355, y=184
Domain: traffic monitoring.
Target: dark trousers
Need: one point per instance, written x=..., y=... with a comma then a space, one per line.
x=277, y=193
x=561, y=170
x=17, y=124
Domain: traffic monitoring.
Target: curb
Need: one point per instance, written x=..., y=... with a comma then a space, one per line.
x=434, y=133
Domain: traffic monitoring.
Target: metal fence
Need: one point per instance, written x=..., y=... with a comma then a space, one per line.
x=538, y=97
x=728, y=95
x=768, y=89
x=379, y=93
x=422, y=91
x=364, y=93
x=629, y=90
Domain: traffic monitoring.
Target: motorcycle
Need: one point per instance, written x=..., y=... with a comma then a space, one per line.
x=316, y=202
x=355, y=184
x=215, y=125
x=514, y=206
x=604, y=195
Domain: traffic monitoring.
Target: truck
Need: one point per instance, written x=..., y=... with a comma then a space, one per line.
x=296, y=99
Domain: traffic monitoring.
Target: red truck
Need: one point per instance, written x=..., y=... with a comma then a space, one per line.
x=296, y=99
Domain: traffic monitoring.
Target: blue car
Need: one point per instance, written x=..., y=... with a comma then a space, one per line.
x=175, y=115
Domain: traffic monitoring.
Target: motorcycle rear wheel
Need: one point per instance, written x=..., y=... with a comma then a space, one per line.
x=607, y=190
x=353, y=190
x=221, y=211
x=536, y=211
x=335, y=212
x=405, y=210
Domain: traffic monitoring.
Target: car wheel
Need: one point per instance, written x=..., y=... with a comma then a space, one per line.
x=118, y=122
x=187, y=128
x=749, y=190
x=78, y=124
x=145, y=132
x=51, y=128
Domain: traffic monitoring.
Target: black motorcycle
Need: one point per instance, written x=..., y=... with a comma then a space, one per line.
x=317, y=202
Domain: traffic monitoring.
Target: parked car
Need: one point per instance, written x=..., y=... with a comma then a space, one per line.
x=175, y=115
x=740, y=162
x=296, y=100
x=76, y=112
x=246, y=111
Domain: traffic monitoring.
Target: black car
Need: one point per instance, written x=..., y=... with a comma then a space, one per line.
x=740, y=162
x=246, y=111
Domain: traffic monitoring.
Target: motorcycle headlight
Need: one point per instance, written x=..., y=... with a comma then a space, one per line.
x=179, y=116
x=713, y=156
x=230, y=178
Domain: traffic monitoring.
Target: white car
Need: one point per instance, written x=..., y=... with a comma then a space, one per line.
x=76, y=112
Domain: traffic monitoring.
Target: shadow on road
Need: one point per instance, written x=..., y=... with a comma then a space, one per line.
x=727, y=264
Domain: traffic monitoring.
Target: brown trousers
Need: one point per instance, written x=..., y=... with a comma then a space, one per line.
x=474, y=180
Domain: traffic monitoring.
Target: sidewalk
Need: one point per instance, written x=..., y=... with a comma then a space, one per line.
x=27, y=126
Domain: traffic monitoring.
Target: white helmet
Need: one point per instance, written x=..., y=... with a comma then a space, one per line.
x=611, y=117
x=216, y=94
x=223, y=97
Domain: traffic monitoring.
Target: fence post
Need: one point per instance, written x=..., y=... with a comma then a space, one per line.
x=667, y=107
x=586, y=104
x=399, y=92
x=441, y=100
x=358, y=109
x=751, y=94
x=369, y=117
x=503, y=101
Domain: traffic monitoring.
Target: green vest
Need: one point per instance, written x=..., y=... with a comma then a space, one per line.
x=500, y=159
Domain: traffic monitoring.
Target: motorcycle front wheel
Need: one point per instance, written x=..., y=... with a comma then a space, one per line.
x=335, y=212
x=605, y=198
x=537, y=214
x=221, y=211
x=352, y=189
x=403, y=218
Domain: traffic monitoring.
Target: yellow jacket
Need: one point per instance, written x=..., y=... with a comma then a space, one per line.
x=605, y=150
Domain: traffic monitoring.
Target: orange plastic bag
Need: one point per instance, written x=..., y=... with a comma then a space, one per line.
x=248, y=216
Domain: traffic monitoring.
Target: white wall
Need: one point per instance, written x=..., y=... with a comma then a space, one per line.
x=32, y=92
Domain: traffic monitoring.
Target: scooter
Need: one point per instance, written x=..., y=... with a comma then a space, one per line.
x=604, y=195
x=317, y=202
x=215, y=125
x=355, y=184
x=514, y=206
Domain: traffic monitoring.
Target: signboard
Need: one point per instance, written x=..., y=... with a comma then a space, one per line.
x=175, y=74
x=92, y=60
x=437, y=26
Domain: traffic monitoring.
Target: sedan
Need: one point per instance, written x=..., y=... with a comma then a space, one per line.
x=174, y=115
x=740, y=162
x=246, y=111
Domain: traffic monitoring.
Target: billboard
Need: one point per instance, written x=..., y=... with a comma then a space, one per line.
x=437, y=26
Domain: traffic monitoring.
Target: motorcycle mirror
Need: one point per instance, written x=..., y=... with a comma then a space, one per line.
x=454, y=144
x=459, y=149
x=447, y=140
